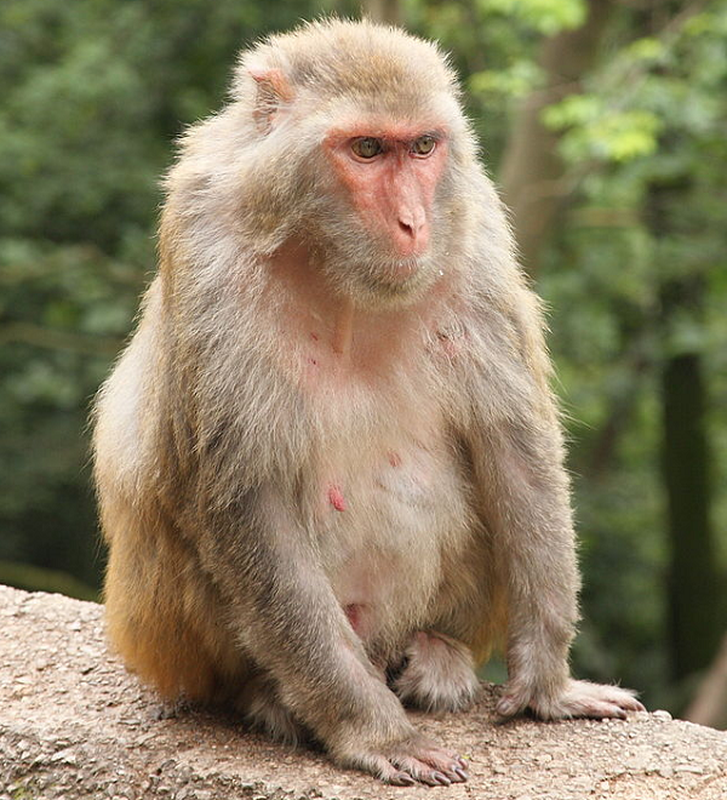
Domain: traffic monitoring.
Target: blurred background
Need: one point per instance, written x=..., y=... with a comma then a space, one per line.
x=605, y=125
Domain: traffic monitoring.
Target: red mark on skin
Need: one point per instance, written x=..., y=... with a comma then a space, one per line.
x=314, y=336
x=394, y=459
x=450, y=348
x=353, y=612
x=451, y=342
x=313, y=361
x=336, y=498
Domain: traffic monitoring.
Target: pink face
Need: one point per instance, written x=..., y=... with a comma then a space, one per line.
x=391, y=174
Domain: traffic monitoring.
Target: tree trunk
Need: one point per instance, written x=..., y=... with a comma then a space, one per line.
x=694, y=615
x=531, y=172
x=388, y=11
x=709, y=706
x=692, y=589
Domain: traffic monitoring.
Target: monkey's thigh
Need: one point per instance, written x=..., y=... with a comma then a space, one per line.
x=164, y=615
x=471, y=606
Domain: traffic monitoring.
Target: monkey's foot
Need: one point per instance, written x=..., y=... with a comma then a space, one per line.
x=578, y=699
x=264, y=711
x=171, y=709
x=411, y=761
x=439, y=674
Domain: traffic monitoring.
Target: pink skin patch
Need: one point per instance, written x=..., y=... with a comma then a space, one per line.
x=394, y=459
x=392, y=191
x=451, y=343
x=336, y=498
x=353, y=612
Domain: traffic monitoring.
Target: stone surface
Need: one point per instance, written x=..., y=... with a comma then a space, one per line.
x=74, y=724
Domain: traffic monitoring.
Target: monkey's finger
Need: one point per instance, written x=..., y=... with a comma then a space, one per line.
x=401, y=779
x=417, y=773
x=455, y=773
x=596, y=700
x=433, y=768
x=610, y=710
x=435, y=778
x=454, y=770
x=630, y=704
x=381, y=768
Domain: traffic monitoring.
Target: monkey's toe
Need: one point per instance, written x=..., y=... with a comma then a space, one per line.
x=439, y=674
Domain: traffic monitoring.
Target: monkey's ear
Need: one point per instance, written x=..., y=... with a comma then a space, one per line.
x=274, y=92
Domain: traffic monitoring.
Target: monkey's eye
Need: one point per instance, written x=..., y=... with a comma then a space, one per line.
x=367, y=147
x=424, y=145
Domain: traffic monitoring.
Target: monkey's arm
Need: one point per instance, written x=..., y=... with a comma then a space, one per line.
x=286, y=617
x=516, y=451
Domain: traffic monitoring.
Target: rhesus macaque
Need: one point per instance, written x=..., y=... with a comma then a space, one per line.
x=329, y=464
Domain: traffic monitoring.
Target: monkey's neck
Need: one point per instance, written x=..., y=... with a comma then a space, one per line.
x=343, y=330
x=296, y=266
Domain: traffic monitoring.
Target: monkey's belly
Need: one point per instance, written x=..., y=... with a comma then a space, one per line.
x=385, y=533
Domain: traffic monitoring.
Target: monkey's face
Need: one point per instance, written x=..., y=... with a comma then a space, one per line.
x=385, y=177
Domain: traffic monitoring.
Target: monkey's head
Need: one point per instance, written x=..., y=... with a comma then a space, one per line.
x=348, y=137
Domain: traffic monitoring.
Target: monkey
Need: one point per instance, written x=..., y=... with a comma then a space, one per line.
x=329, y=463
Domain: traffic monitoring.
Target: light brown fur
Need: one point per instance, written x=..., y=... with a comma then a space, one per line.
x=305, y=475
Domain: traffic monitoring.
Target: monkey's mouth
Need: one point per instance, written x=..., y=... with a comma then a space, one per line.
x=403, y=271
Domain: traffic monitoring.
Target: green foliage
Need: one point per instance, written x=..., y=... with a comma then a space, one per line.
x=93, y=93
x=545, y=16
x=594, y=131
x=513, y=82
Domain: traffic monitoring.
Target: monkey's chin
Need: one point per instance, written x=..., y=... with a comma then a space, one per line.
x=398, y=284
x=379, y=280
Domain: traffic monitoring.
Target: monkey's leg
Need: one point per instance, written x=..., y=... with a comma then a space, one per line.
x=162, y=613
x=438, y=675
x=527, y=510
x=286, y=617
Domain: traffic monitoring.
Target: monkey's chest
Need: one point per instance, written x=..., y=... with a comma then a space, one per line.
x=388, y=515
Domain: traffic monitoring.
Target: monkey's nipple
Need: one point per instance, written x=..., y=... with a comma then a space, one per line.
x=336, y=498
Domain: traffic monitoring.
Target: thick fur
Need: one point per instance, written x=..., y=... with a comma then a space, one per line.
x=226, y=419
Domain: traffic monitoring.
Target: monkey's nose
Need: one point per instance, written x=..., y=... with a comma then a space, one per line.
x=412, y=235
x=407, y=228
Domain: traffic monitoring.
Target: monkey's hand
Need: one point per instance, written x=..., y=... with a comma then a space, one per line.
x=406, y=762
x=576, y=699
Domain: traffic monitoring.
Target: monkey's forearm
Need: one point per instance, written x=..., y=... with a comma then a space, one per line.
x=526, y=507
x=287, y=618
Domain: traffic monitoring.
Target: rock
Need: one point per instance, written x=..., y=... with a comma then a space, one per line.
x=81, y=727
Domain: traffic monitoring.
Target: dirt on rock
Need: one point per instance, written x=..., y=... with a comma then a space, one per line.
x=74, y=724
